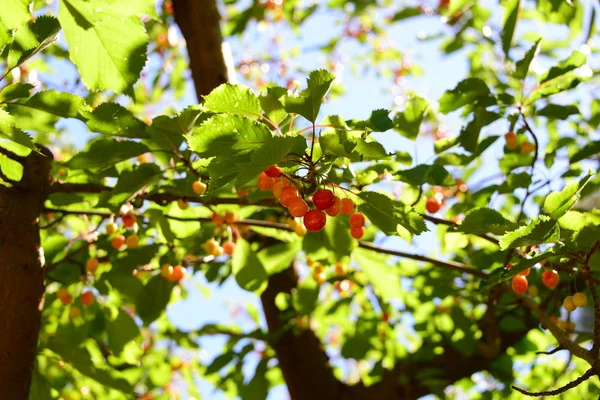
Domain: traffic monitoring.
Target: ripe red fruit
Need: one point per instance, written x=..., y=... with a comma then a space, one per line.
x=177, y=274
x=117, y=242
x=229, y=248
x=357, y=232
x=273, y=172
x=87, y=298
x=526, y=272
x=323, y=199
x=265, y=182
x=278, y=188
x=519, y=284
x=347, y=206
x=550, y=278
x=357, y=220
x=298, y=207
x=314, y=220
x=385, y=317
x=433, y=205
x=335, y=207
x=129, y=220
x=287, y=194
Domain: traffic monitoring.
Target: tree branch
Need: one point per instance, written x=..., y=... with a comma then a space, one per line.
x=588, y=374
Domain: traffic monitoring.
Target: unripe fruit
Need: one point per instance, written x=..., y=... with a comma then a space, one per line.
x=580, y=299
x=143, y=158
x=287, y=194
x=87, y=298
x=217, y=251
x=117, y=242
x=273, y=172
x=111, y=228
x=527, y=147
x=91, y=265
x=533, y=291
x=315, y=220
x=229, y=248
x=183, y=204
x=433, y=205
x=210, y=245
x=75, y=312
x=323, y=199
x=357, y=233
x=340, y=270
x=335, y=207
x=278, y=188
x=166, y=271
x=66, y=299
x=550, y=278
x=317, y=267
x=132, y=241
x=568, y=304
x=347, y=206
x=300, y=230
x=519, y=284
x=199, y=187
x=129, y=220
x=178, y=273
x=265, y=182
x=298, y=207
x=511, y=140
x=319, y=277
x=357, y=220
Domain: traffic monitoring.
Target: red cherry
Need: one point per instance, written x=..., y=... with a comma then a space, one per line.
x=129, y=220
x=298, y=207
x=87, y=298
x=117, y=242
x=287, y=194
x=229, y=248
x=519, y=284
x=550, y=278
x=314, y=220
x=526, y=272
x=177, y=274
x=335, y=207
x=432, y=205
x=265, y=182
x=273, y=172
x=323, y=199
x=347, y=206
x=357, y=220
x=385, y=317
x=357, y=232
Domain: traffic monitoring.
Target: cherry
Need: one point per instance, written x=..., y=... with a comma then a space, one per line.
x=217, y=219
x=91, y=265
x=178, y=273
x=143, y=158
x=511, y=140
x=132, y=241
x=265, y=182
x=75, y=312
x=129, y=220
x=568, y=304
x=550, y=278
x=527, y=147
x=357, y=220
x=117, y=242
x=62, y=292
x=314, y=220
x=580, y=299
x=385, y=316
x=273, y=172
x=340, y=270
x=298, y=207
x=525, y=272
x=166, y=271
x=300, y=229
x=335, y=207
x=210, y=245
x=230, y=218
x=323, y=199
x=183, y=203
x=357, y=232
x=87, y=298
x=111, y=228
x=229, y=248
x=519, y=284
x=278, y=188
x=287, y=194
x=217, y=251
x=433, y=205
x=319, y=277
x=347, y=206
x=199, y=187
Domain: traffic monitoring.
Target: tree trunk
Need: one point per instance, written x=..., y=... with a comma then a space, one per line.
x=21, y=273
x=199, y=21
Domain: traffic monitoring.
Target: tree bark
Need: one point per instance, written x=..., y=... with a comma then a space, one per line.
x=199, y=21
x=21, y=273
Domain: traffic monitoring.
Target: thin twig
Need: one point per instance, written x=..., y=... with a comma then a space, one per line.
x=588, y=374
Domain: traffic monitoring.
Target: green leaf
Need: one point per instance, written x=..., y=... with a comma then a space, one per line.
x=431, y=174
x=130, y=183
x=258, y=387
x=511, y=17
x=12, y=170
x=379, y=120
x=278, y=257
x=468, y=91
x=15, y=91
x=586, y=237
x=485, y=220
x=121, y=331
x=60, y=104
x=576, y=60
x=308, y=103
x=555, y=111
x=540, y=230
x=14, y=13
x=115, y=120
x=352, y=146
x=502, y=274
x=385, y=281
x=271, y=103
x=31, y=39
x=153, y=300
x=9, y=130
x=515, y=181
x=105, y=153
x=590, y=149
x=94, y=33
x=306, y=296
x=249, y=272
x=523, y=65
x=469, y=135
x=409, y=121
x=235, y=99
x=391, y=217
x=560, y=77
x=558, y=203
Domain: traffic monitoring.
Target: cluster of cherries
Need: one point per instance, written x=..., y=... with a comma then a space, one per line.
x=512, y=142
x=319, y=274
x=579, y=299
x=87, y=299
x=212, y=247
x=119, y=242
x=172, y=273
x=324, y=201
x=550, y=278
